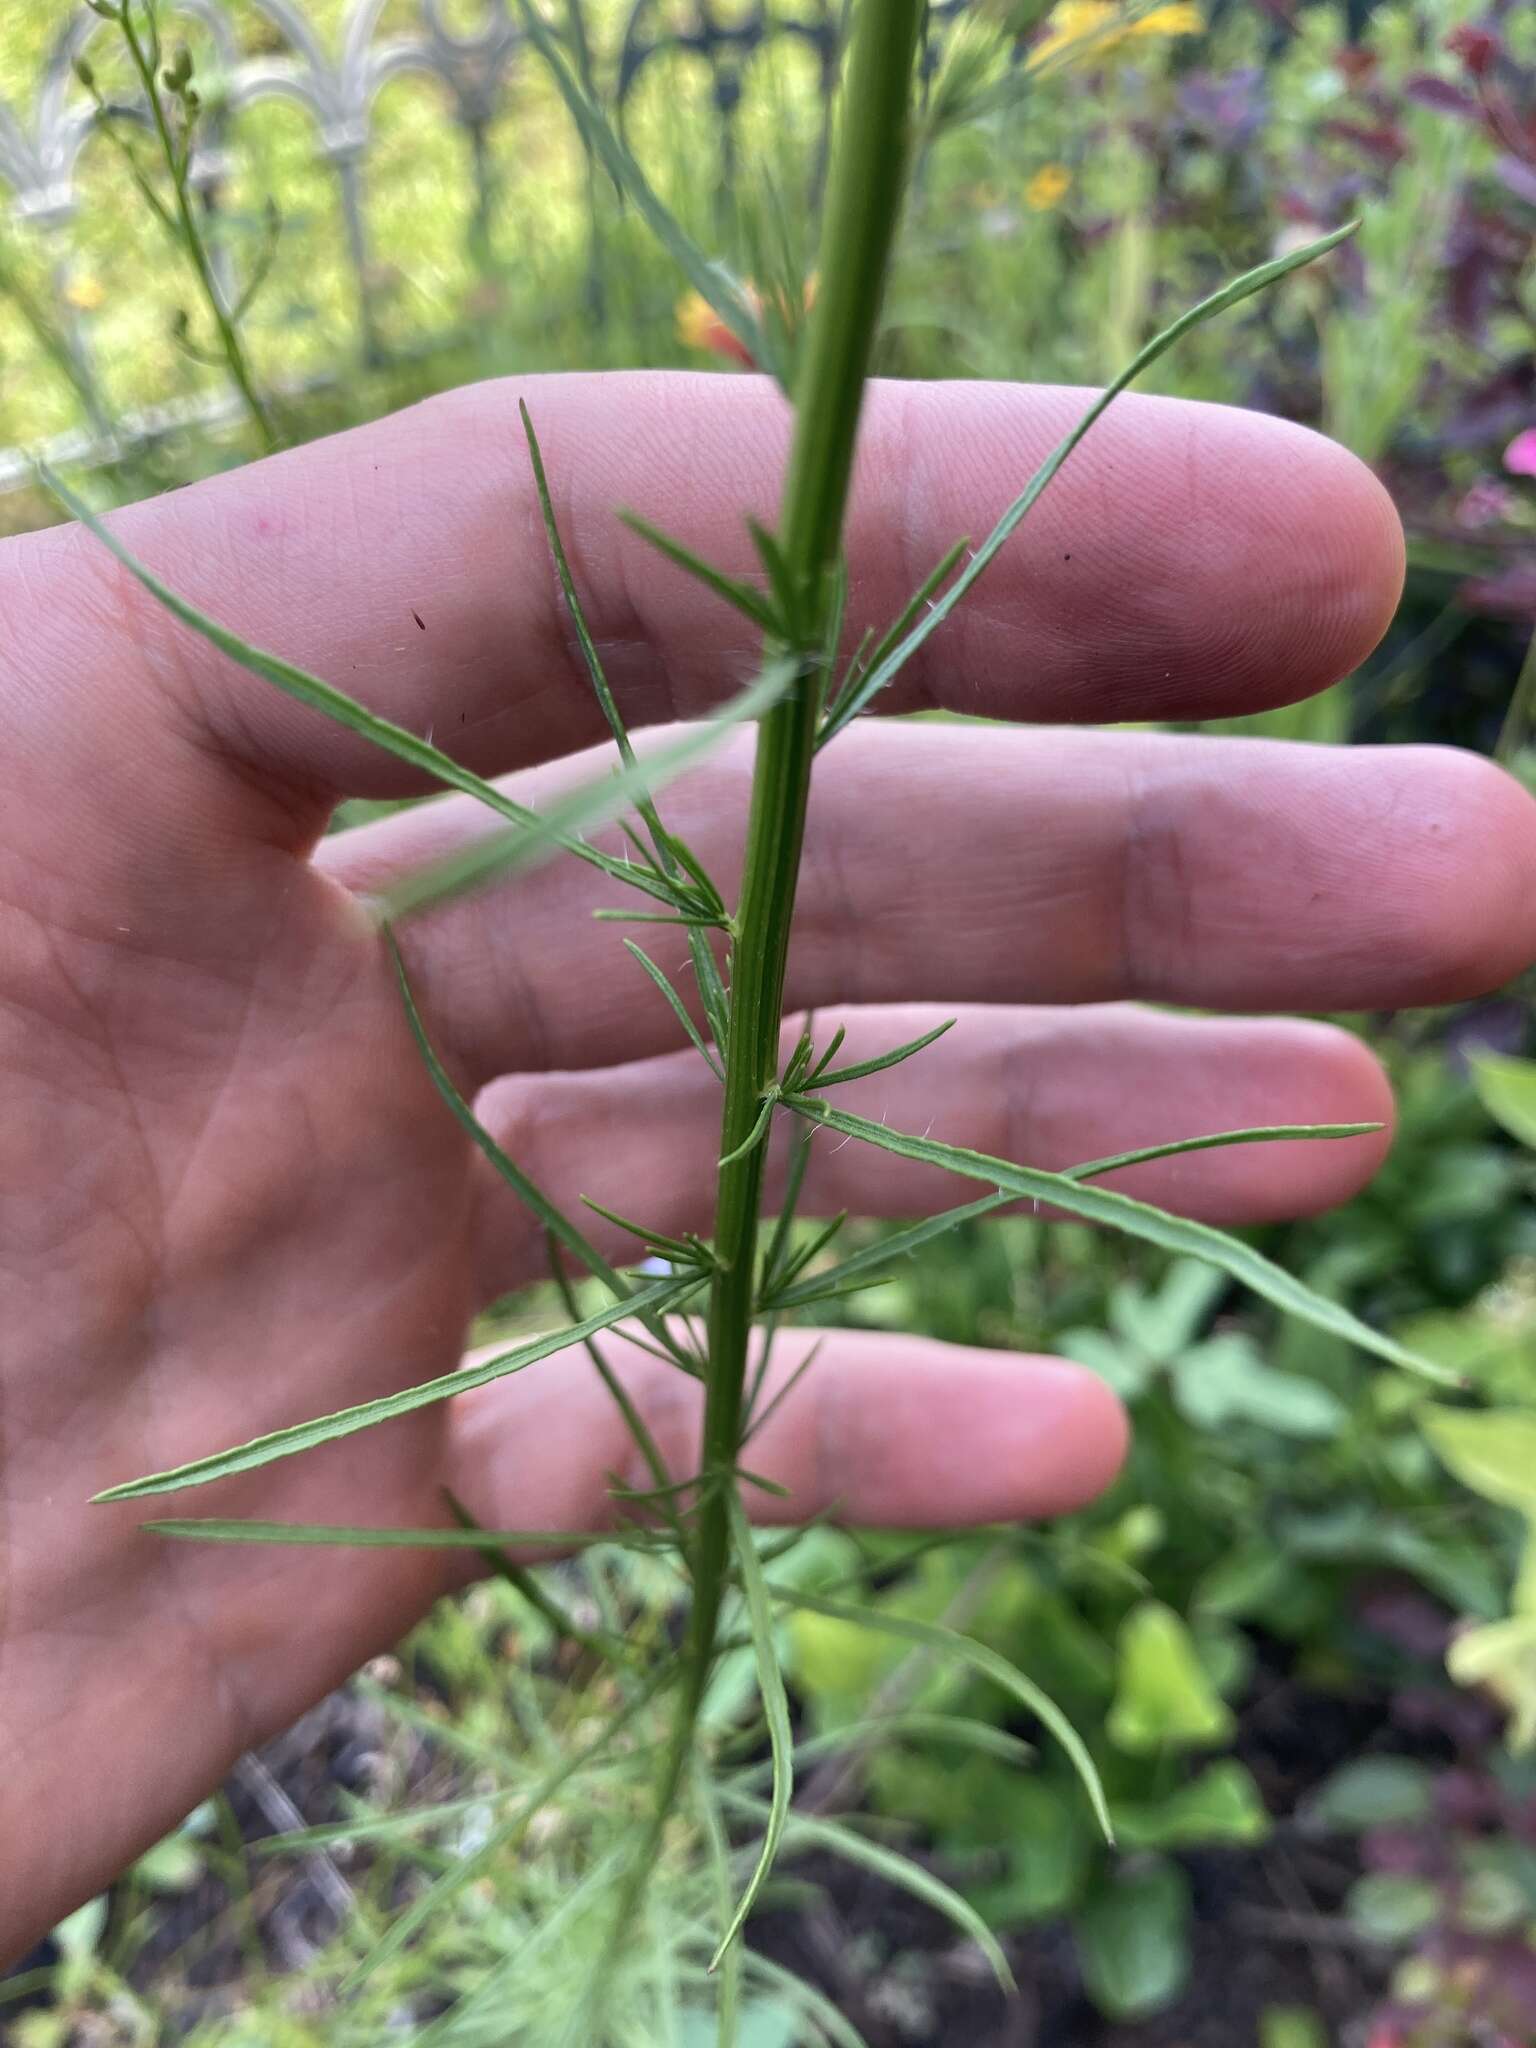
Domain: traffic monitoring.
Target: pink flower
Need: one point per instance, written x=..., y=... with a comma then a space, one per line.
x=1520, y=455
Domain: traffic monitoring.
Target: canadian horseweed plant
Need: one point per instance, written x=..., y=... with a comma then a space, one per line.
x=711, y=1306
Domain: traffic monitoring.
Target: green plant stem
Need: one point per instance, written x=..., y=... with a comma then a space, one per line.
x=190, y=235
x=863, y=205
x=862, y=208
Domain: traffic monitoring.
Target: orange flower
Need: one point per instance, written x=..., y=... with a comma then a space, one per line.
x=700, y=326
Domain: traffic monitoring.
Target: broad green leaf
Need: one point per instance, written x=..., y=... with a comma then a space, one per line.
x=1490, y=1450
x=1176, y=1234
x=1507, y=1090
x=986, y=1662
x=1049, y=1846
x=1165, y=1321
x=1372, y=1792
x=1501, y=1655
x=1164, y=1698
x=304, y=1436
x=1133, y=1939
x=1120, y=1366
x=861, y=694
x=1225, y=1380
x=1392, y=1909
x=770, y=1680
x=1221, y=1805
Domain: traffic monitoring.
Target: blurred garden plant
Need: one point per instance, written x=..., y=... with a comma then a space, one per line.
x=711, y=1307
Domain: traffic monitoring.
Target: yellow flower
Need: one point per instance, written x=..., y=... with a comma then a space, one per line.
x=85, y=293
x=1092, y=28
x=1177, y=18
x=1047, y=188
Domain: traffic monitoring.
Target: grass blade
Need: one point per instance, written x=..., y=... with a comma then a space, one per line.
x=964, y=1649
x=324, y=1429
x=770, y=1682
x=1137, y=1219
x=861, y=694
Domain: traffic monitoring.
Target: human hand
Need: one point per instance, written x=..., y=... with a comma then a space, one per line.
x=230, y=1197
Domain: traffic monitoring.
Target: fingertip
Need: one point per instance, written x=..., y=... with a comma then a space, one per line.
x=1474, y=911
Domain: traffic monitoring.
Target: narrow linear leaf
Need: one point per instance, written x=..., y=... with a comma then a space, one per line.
x=711, y=280
x=826, y=1059
x=1137, y=1219
x=728, y=2001
x=211, y=1529
x=675, y=1247
x=778, y=1243
x=558, y=1226
x=813, y=1248
x=554, y=1219
x=864, y=1264
x=860, y=695
x=758, y=1422
x=539, y=836
x=712, y=992
x=308, y=689
x=814, y=1833
x=589, y=654
x=758, y=1132
x=304, y=1436
x=599, y=1643
x=869, y=657
x=770, y=1682
x=741, y=596
x=881, y=1061
x=679, y=1009
x=949, y=1642
x=913, y=1724
x=858, y=1269
x=1262, y=1134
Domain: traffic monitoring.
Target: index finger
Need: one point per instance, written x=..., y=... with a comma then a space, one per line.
x=1190, y=561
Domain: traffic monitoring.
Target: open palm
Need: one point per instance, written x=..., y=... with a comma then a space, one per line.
x=230, y=1196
